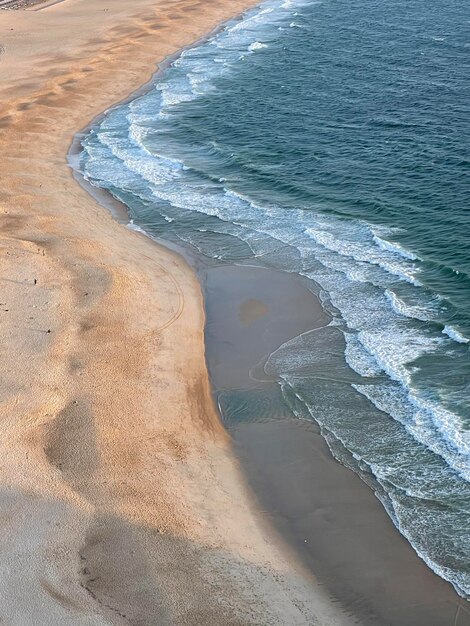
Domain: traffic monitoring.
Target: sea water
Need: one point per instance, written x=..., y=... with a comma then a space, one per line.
x=331, y=139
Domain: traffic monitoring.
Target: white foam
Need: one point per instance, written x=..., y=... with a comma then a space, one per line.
x=366, y=252
x=438, y=429
x=394, y=247
x=256, y=45
x=132, y=226
x=412, y=311
x=395, y=346
x=171, y=97
x=359, y=359
x=454, y=334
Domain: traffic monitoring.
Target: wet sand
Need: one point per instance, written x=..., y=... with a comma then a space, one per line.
x=247, y=321
x=329, y=515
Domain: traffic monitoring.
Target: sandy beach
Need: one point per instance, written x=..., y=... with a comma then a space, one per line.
x=121, y=501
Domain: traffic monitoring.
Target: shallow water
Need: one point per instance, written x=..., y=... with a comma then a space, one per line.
x=330, y=140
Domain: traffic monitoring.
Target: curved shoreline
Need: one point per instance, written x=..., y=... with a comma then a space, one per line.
x=121, y=499
x=119, y=210
x=319, y=447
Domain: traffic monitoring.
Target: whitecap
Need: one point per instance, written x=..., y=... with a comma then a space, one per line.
x=256, y=45
x=454, y=334
x=412, y=311
x=392, y=246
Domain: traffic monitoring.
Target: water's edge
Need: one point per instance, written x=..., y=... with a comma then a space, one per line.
x=119, y=210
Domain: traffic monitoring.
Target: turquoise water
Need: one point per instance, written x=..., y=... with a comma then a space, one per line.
x=331, y=139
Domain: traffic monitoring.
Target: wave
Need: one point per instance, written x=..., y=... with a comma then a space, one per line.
x=454, y=334
x=360, y=251
x=408, y=474
x=419, y=312
x=388, y=343
x=392, y=246
x=256, y=45
x=356, y=273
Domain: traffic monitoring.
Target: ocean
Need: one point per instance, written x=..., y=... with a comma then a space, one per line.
x=331, y=139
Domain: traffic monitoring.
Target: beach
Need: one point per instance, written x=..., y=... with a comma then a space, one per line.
x=152, y=472
x=122, y=501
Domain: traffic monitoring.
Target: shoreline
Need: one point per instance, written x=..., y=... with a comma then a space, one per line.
x=110, y=434
x=369, y=609
x=331, y=517
x=117, y=208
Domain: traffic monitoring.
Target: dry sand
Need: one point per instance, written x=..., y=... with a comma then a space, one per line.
x=121, y=501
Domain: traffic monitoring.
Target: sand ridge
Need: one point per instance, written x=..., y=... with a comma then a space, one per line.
x=121, y=502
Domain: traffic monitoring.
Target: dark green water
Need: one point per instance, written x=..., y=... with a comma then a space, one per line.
x=331, y=139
